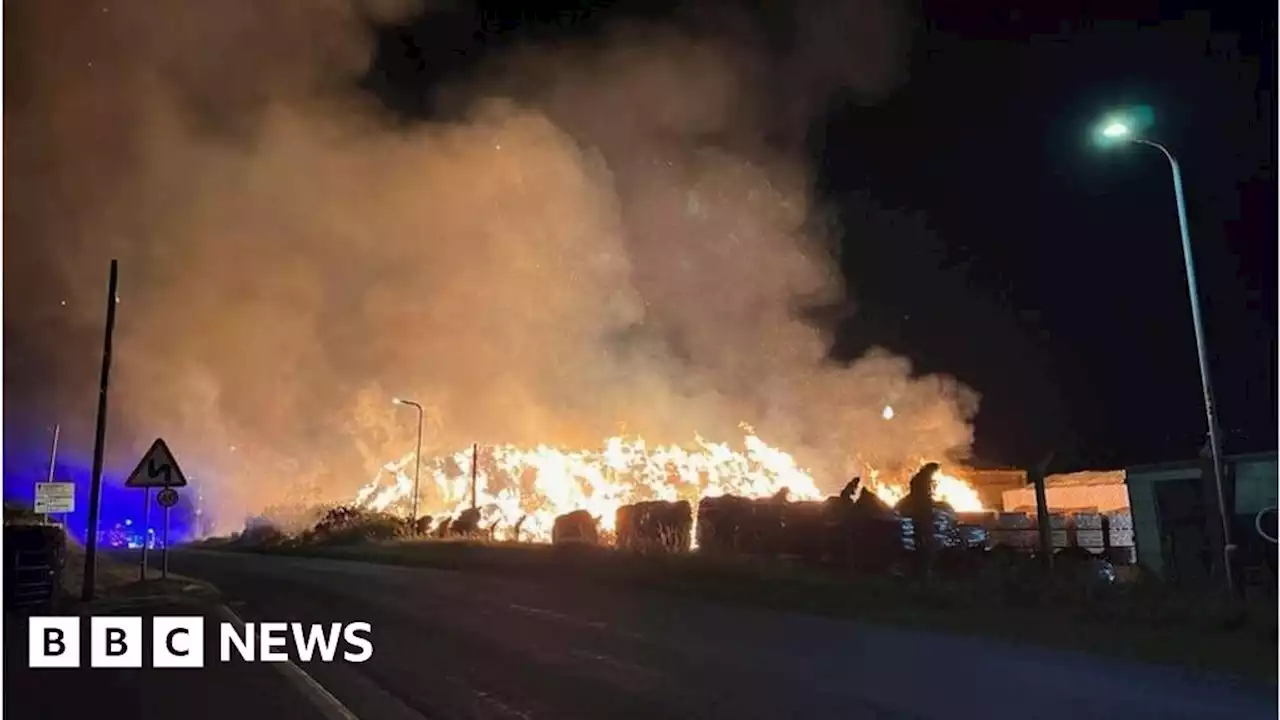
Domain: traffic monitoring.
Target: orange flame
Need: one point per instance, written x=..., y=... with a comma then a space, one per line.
x=537, y=484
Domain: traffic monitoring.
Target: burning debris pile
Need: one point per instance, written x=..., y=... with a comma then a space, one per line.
x=520, y=492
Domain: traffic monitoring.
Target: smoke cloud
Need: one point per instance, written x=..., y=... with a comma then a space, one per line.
x=612, y=235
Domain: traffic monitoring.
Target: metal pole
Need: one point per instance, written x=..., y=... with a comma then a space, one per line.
x=164, y=551
x=199, y=510
x=475, y=464
x=417, y=465
x=53, y=454
x=53, y=458
x=1193, y=291
x=1043, y=522
x=146, y=531
x=100, y=438
x=417, y=471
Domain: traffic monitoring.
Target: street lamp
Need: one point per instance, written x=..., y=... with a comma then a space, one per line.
x=417, y=458
x=1127, y=129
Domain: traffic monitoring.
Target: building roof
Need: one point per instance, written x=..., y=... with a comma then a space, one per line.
x=1195, y=463
x=1086, y=478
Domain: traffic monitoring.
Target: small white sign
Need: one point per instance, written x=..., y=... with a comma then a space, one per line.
x=55, y=497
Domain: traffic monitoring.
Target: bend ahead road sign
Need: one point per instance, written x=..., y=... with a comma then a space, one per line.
x=158, y=468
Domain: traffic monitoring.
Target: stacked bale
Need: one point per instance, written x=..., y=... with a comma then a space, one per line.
x=655, y=526
x=873, y=537
x=577, y=527
x=865, y=534
x=722, y=522
x=806, y=529
x=737, y=525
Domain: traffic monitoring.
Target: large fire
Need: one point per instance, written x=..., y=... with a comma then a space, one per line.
x=531, y=486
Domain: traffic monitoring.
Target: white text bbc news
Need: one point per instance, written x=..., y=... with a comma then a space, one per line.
x=179, y=642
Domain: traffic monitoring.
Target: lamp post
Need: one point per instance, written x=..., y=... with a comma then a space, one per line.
x=417, y=459
x=1117, y=130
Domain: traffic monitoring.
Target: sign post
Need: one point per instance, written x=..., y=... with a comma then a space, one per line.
x=146, y=532
x=55, y=497
x=167, y=498
x=53, y=461
x=157, y=469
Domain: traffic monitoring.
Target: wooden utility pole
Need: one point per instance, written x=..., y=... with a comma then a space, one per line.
x=99, y=442
x=1038, y=474
x=475, y=465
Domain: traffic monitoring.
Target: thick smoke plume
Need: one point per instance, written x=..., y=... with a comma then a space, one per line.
x=604, y=241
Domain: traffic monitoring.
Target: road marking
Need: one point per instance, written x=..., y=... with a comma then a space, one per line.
x=595, y=624
x=328, y=705
x=488, y=699
x=539, y=611
x=615, y=662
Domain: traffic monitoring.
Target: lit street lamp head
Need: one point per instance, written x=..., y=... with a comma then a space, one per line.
x=1115, y=130
x=1123, y=127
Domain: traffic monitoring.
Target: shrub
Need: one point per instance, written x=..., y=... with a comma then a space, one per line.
x=259, y=535
x=348, y=525
x=18, y=514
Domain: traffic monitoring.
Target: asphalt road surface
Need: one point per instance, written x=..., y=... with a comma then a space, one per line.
x=457, y=645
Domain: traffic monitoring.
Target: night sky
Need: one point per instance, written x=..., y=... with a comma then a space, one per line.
x=994, y=242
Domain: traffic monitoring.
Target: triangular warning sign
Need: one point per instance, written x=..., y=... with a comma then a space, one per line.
x=158, y=468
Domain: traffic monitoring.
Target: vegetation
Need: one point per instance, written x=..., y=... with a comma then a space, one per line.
x=1012, y=598
x=19, y=514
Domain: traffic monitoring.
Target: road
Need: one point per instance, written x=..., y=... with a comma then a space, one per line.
x=458, y=645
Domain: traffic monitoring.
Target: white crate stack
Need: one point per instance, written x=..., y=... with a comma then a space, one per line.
x=1089, y=533
x=1121, y=545
x=1119, y=527
x=1014, y=529
x=1099, y=533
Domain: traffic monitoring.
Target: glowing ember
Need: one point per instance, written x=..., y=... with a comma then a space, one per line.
x=537, y=484
x=888, y=412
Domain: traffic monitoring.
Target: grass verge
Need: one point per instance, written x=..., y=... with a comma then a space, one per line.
x=117, y=583
x=1142, y=621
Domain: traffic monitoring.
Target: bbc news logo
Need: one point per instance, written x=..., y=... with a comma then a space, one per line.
x=179, y=642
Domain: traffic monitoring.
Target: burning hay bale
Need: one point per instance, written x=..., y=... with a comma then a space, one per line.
x=731, y=524
x=724, y=523
x=576, y=527
x=870, y=536
x=865, y=534
x=805, y=529
x=655, y=526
